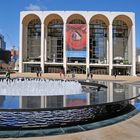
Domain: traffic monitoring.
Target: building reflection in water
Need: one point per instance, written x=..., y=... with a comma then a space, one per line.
x=30, y=102
x=114, y=92
x=2, y=99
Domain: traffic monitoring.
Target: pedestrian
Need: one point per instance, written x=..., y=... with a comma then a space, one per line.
x=60, y=74
x=37, y=73
x=40, y=72
x=64, y=73
x=8, y=76
x=115, y=75
x=73, y=75
x=91, y=75
x=88, y=75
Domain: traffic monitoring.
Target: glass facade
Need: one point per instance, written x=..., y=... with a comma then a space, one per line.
x=34, y=39
x=77, y=21
x=94, y=42
x=98, y=42
x=55, y=41
x=120, y=42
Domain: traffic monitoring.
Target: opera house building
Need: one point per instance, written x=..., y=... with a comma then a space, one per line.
x=99, y=42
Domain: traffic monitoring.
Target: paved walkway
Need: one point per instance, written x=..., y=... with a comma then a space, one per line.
x=126, y=130
x=79, y=76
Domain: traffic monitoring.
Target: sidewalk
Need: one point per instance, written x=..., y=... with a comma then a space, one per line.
x=126, y=130
x=79, y=76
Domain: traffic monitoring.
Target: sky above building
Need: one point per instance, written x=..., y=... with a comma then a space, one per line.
x=10, y=13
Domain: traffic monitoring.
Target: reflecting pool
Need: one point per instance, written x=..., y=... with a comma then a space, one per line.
x=83, y=104
x=113, y=93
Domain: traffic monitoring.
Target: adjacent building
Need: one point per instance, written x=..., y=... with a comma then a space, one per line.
x=77, y=41
x=2, y=42
x=138, y=61
x=14, y=58
x=5, y=56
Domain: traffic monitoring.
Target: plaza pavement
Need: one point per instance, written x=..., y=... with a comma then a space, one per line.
x=125, y=130
x=79, y=76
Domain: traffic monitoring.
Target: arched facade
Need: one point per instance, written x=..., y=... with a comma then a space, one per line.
x=32, y=41
x=122, y=44
x=98, y=43
x=78, y=41
x=53, y=41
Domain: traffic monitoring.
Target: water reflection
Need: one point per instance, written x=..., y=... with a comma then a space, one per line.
x=76, y=100
x=114, y=92
x=30, y=101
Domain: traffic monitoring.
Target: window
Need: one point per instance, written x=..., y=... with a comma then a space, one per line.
x=98, y=42
x=34, y=39
x=120, y=40
x=55, y=41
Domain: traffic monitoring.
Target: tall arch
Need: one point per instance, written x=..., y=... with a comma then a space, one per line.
x=122, y=42
x=32, y=37
x=53, y=38
x=28, y=18
x=76, y=37
x=125, y=19
x=76, y=19
x=100, y=17
x=98, y=38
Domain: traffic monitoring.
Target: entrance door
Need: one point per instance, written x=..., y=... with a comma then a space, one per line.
x=76, y=69
x=120, y=71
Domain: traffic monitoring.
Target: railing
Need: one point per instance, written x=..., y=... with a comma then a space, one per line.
x=98, y=61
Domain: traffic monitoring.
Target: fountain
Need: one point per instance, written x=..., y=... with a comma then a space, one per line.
x=48, y=106
x=40, y=87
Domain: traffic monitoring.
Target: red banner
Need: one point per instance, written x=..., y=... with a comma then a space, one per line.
x=76, y=36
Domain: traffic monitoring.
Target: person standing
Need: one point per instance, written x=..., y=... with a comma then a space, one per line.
x=115, y=74
x=60, y=74
x=37, y=73
x=40, y=72
x=88, y=75
x=91, y=75
x=64, y=75
x=73, y=75
x=8, y=75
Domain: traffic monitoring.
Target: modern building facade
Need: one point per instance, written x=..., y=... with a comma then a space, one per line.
x=77, y=41
x=2, y=42
x=5, y=56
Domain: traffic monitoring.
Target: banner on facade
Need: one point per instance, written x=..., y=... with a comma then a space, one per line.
x=76, y=40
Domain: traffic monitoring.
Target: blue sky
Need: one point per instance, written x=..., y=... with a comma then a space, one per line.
x=10, y=11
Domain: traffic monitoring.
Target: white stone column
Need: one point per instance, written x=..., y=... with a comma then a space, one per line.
x=20, y=48
x=133, y=51
x=110, y=49
x=20, y=101
x=45, y=57
x=134, y=92
x=64, y=47
x=107, y=51
x=64, y=101
x=25, y=43
x=42, y=47
x=110, y=92
x=88, y=98
x=87, y=50
x=129, y=45
x=42, y=101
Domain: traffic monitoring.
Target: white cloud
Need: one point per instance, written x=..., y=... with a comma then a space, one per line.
x=33, y=7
